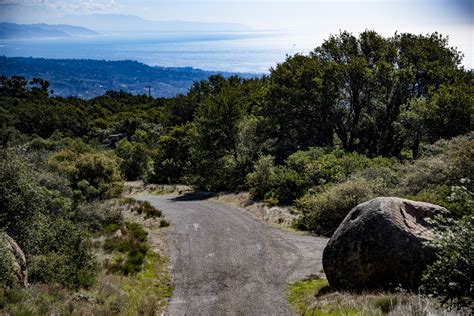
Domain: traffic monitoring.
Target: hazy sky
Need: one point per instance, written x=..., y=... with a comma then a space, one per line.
x=319, y=18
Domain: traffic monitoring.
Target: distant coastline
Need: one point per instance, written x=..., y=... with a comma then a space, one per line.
x=88, y=78
x=246, y=52
x=41, y=31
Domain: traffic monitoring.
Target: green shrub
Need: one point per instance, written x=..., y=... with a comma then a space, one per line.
x=336, y=166
x=451, y=276
x=14, y=295
x=444, y=163
x=461, y=199
x=101, y=174
x=22, y=199
x=145, y=208
x=94, y=175
x=171, y=161
x=133, y=248
x=312, y=167
x=322, y=212
x=386, y=176
x=38, y=218
x=442, y=176
x=164, y=223
x=286, y=186
x=135, y=159
x=458, y=199
x=260, y=180
x=110, y=228
x=95, y=216
x=302, y=158
x=275, y=184
x=62, y=254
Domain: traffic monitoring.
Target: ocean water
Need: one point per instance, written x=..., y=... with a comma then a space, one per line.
x=252, y=52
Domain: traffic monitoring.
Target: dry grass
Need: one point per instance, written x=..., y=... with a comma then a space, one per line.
x=313, y=297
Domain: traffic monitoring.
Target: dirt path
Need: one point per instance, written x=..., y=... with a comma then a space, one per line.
x=225, y=262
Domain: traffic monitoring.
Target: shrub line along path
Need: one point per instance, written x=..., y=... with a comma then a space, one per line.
x=226, y=262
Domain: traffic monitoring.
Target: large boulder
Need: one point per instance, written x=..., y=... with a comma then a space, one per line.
x=17, y=260
x=380, y=244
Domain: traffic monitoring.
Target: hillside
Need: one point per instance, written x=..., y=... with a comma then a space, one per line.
x=91, y=78
x=312, y=145
x=42, y=30
x=132, y=23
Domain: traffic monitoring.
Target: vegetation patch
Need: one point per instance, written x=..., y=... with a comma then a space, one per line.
x=314, y=297
x=149, y=290
x=141, y=208
x=128, y=249
x=140, y=284
x=145, y=208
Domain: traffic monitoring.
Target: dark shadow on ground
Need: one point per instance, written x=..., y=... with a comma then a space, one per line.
x=194, y=196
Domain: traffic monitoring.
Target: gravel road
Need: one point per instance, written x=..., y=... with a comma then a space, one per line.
x=226, y=262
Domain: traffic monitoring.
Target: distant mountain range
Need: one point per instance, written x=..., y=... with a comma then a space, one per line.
x=132, y=23
x=87, y=25
x=42, y=30
x=91, y=78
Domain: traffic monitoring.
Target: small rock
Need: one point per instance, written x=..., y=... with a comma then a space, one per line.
x=280, y=216
x=118, y=233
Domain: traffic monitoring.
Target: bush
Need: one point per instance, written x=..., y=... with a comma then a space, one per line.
x=302, y=158
x=133, y=245
x=451, y=276
x=320, y=166
x=97, y=215
x=171, y=160
x=443, y=163
x=287, y=186
x=388, y=177
x=277, y=184
x=164, y=223
x=62, y=254
x=135, y=159
x=94, y=175
x=100, y=173
x=322, y=212
x=37, y=217
x=260, y=180
x=145, y=208
x=22, y=199
x=442, y=176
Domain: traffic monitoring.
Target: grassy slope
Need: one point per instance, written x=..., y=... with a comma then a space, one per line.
x=314, y=297
x=146, y=292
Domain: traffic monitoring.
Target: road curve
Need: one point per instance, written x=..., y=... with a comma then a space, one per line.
x=226, y=262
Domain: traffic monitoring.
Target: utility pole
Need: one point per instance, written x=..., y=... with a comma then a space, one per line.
x=149, y=90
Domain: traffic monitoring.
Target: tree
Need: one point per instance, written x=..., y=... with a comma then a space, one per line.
x=39, y=87
x=374, y=80
x=135, y=159
x=172, y=158
x=297, y=106
x=214, y=146
x=428, y=70
x=13, y=87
